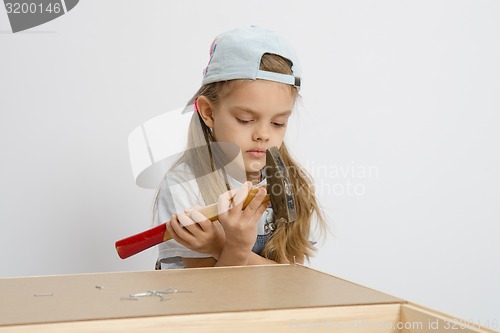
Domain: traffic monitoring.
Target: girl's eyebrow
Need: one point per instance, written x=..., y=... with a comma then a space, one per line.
x=252, y=112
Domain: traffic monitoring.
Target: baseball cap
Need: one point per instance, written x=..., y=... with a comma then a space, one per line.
x=236, y=54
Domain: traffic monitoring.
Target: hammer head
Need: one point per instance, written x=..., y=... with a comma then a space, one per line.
x=279, y=187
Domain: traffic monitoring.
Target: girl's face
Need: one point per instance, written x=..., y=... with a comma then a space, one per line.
x=253, y=115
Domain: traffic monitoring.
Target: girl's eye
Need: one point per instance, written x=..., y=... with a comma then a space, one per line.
x=278, y=124
x=242, y=121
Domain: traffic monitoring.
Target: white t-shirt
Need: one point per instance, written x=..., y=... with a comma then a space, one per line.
x=179, y=191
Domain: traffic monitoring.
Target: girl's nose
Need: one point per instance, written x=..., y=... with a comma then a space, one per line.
x=261, y=133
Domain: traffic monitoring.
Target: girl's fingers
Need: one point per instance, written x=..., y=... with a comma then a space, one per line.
x=225, y=202
x=256, y=206
x=172, y=231
x=189, y=224
x=242, y=194
x=181, y=232
x=202, y=221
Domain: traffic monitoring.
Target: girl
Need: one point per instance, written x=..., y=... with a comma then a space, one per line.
x=248, y=92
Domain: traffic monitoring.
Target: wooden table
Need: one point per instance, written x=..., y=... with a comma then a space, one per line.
x=275, y=298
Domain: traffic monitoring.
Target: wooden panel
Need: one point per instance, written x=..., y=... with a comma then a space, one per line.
x=214, y=290
x=345, y=319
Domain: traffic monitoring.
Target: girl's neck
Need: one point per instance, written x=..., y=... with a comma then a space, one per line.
x=254, y=177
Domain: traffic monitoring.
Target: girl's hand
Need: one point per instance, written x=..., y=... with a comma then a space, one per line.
x=199, y=234
x=240, y=225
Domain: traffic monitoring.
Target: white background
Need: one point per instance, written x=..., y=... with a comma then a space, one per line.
x=399, y=129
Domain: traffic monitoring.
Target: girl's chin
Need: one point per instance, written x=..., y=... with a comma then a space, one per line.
x=253, y=174
x=254, y=167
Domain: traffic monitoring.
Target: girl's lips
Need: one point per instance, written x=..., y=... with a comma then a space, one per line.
x=256, y=153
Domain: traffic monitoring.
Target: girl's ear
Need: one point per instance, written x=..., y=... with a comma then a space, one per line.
x=205, y=110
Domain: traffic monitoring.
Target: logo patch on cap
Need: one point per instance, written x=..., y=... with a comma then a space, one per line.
x=212, y=51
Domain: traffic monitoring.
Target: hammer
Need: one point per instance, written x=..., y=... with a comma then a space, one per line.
x=279, y=191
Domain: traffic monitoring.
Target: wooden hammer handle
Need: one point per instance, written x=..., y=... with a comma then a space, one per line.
x=139, y=242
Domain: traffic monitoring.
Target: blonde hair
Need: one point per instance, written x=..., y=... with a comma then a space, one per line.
x=206, y=161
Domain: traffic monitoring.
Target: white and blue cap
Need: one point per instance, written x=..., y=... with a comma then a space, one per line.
x=236, y=54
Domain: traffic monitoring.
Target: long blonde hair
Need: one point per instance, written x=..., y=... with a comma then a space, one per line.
x=205, y=159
